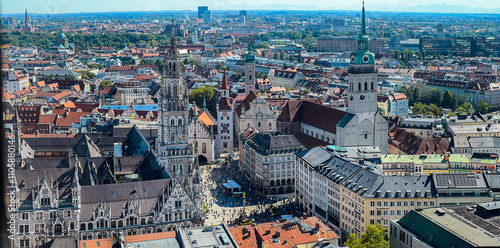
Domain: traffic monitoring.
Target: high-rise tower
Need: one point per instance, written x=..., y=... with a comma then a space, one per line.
x=174, y=152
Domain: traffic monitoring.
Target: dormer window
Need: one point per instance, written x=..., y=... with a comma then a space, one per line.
x=45, y=202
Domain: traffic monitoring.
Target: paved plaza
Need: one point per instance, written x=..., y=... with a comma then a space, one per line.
x=224, y=207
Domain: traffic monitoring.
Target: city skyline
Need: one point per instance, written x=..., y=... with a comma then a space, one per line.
x=58, y=7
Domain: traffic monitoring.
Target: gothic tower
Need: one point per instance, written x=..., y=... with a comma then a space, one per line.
x=249, y=72
x=174, y=152
x=224, y=120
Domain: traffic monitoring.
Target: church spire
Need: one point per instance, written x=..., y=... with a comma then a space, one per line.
x=204, y=104
x=363, y=23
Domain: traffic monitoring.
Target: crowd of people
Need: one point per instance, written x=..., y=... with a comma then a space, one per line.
x=221, y=203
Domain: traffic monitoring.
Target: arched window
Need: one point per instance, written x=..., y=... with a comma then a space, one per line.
x=366, y=86
x=359, y=86
x=372, y=85
x=82, y=227
x=172, y=122
x=204, y=147
x=169, y=89
x=327, y=139
x=90, y=226
x=271, y=183
x=179, y=121
x=175, y=89
x=259, y=124
x=270, y=125
x=172, y=138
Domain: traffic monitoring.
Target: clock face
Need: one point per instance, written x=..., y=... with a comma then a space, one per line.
x=366, y=58
x=224, y=114
x=362, y=97
x=353, y=58
x=351, y=98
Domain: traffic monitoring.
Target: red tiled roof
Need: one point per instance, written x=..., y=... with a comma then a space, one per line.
x=150, y=236
x=246, y=103
x=312, y=113
x=48, y=119
x=224, y=82
x=224, y=103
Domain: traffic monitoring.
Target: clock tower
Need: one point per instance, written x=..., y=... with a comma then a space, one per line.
x=362, y=76
x=224, y=121
x=363, y=124
x=249, y=72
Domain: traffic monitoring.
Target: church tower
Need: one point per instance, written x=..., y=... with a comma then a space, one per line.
x=249, y=72
x=368, y=127
x=174, y=152
x=224, y=120
x=362, y=76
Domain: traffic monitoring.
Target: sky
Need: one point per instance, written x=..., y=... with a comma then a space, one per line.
x=72, y=6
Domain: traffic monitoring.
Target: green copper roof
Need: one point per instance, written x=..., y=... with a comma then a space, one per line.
x=61, y=35
x=362, y=56
x=249, y=58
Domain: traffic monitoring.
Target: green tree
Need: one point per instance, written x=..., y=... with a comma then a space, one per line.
x=482, y=107
x=263, y=53
x=291, y=58
x=221, y=66
x=159, y=64
x=147, y=62
x=105, y=83
x=275, y=55
x=449, y=100
x=282, y=55
x=465, y=108
x=95, y=66
x=299, y=59
x=70, y=77
x=287, y=89
x=206, y=92
x=424, y=109
x=279, y=43
x=411, y=93
x=373, y=237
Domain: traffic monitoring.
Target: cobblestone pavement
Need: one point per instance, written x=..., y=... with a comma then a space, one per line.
x=224, y=207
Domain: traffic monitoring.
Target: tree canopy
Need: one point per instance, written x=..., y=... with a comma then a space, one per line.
x=105, y=83
x=424, y=109
x=482, y=107
x=373, y=237
x=198, y=94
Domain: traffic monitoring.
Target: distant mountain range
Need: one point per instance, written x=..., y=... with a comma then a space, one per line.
x=430, y=8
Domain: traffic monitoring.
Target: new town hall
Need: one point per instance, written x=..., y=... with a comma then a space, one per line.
x=91, y=185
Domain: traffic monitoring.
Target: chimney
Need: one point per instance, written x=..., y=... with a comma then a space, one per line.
x=277, y=233
x=317, y=225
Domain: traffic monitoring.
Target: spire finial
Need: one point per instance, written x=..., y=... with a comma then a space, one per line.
x=204, y=104
x=363, y=23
